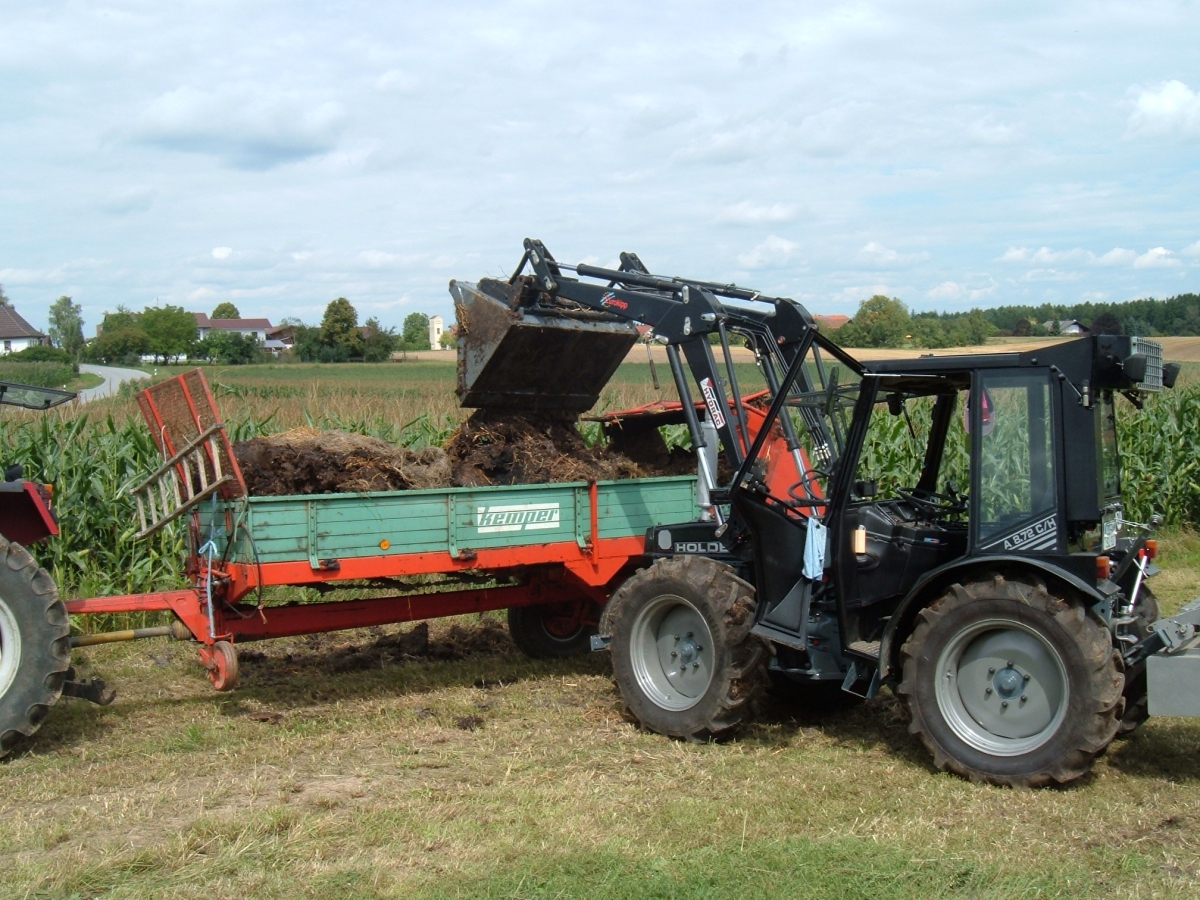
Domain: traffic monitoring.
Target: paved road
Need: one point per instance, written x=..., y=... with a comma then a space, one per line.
x=113, y=377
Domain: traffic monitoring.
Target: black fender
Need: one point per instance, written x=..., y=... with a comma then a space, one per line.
x=934, y=583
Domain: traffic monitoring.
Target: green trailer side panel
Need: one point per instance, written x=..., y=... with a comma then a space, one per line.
x=341, y=526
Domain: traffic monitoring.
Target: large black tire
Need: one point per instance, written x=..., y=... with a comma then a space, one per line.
x=35, y=645
x=1137, y=701
x=682, y=653
x=1008, y=684
x=553, y=630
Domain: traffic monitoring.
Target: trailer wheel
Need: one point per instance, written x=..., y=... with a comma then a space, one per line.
x=1008, y=684
x=553, y=630
x=683, y=656
x=222, y=664
x=35, y=647
x=1137, y=701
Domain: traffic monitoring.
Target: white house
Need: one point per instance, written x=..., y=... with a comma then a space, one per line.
x=435, y=332
x=1066, y=326
x=15, y=333
x=255, y=328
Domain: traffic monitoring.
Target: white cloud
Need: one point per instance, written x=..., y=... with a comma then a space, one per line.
x=245, y=126
x=1191, y=250
x=747, y=213
x=396, y=81
x=774, y=251
x=1158, y=258
x=954, y=290
x=1044, y=256
x=222, y=252
x=948, y=290
x=1117, y=256
x=376, y=258
x=875, y=253
x=138, y=199
x=1170, y=108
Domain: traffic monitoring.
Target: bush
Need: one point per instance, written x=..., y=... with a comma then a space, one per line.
x=38, y=374
x=45, y=354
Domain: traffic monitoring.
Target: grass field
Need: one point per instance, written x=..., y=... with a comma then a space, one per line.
x=491, y=775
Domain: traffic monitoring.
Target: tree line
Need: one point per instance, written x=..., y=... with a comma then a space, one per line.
x=887, y=322
x=169, y=333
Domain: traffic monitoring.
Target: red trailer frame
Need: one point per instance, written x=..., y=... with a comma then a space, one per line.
x=576, y=577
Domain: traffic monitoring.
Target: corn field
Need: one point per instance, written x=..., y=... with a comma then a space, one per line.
x=89, y=454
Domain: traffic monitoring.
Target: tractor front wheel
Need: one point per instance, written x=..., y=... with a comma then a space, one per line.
x=1009, y=684
x=35, y=646
x=683, y=656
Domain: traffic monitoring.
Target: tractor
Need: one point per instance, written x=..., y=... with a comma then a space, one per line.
x=950, y=527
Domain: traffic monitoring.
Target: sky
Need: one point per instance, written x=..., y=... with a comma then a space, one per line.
x=280, y=155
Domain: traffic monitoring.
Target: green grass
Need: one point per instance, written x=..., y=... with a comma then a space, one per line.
x=314, y=782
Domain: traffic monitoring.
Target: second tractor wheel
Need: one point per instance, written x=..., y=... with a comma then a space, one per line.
x=35, y=647
x=682, y=653
x=553, y=630
x=1009, y=684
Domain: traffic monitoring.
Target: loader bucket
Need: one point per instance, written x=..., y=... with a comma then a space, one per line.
x=510, y=357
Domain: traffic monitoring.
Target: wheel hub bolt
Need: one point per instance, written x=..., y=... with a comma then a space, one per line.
x=987, y=690
x=1026, y=676
x=992, y=670
x=695, y=665
x=673, y=654
x=1024, y=697
x=1004, y=704
x=1010, y=664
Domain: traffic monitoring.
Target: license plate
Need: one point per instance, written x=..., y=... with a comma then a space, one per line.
x=1108, y=538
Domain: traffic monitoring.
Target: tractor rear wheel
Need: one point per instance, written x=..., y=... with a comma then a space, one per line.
x=35, y=646
x=1009, y=684
x=683, y=656
x=553, y=630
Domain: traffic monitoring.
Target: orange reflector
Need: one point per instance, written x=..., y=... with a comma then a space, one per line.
x=49, y=489
x=1151, y=549
x=1103, y=568
x=384, y=544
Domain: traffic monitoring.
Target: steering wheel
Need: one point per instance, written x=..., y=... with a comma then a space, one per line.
x=935, y=505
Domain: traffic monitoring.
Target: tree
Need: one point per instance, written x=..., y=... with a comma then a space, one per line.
x=306, y=342
x=66, y=325
x=230, y=348
x=171, y=330
x=1023, y=327
x=119, y=345
x=226, y=310
x=4, y=301
x=416, y=331
x=339, y=331
x=1106, y=323
x=880, y=322
x=380, y=342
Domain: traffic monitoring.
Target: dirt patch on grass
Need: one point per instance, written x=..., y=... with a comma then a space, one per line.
x=338, y=653
x=307, y=461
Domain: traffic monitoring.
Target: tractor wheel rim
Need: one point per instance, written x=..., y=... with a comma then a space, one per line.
x=10, y=647
x=671, y=652
x=1002, y=687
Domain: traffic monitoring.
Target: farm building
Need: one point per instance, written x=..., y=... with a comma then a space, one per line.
x=15, y=333
x=1066, y=326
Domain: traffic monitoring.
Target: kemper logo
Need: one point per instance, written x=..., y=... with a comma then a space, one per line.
x=711, y=401
x=517, y=517
x=1041, y=535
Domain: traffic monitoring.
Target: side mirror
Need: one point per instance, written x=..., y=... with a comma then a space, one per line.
x=1170, y=373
